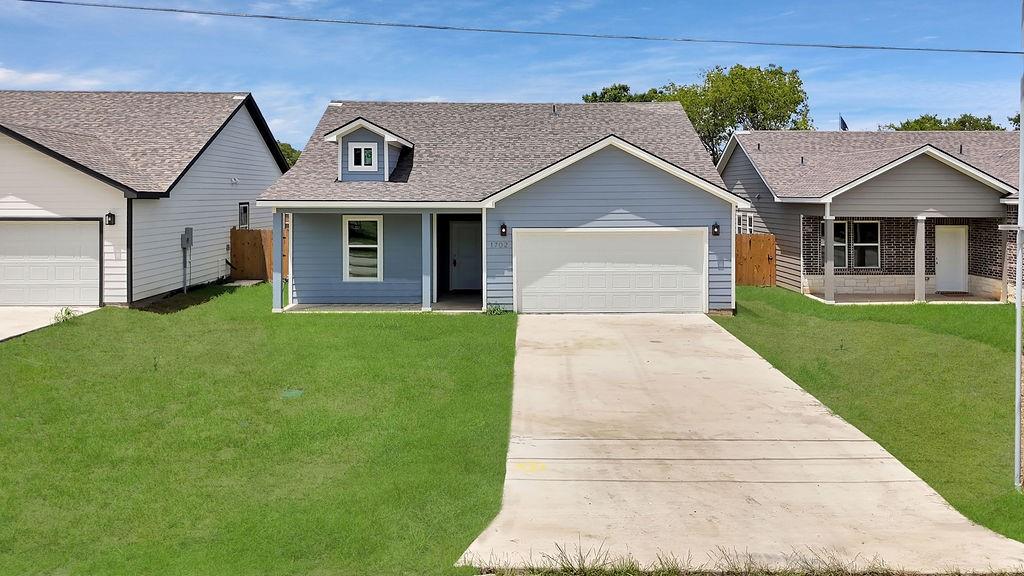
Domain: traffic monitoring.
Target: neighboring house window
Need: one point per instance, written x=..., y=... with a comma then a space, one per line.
x=865, y=245
x=838, y=243
x=745, y=223
x=243, y=215
x=362, y=156
x=362, y=251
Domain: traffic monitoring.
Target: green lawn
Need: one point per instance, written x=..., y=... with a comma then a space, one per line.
x=933, y=384
x=133, y=442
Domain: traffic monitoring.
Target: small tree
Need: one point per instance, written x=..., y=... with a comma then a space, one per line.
x=749, y=98
x=621, y=93
x=290, y=153
x=933, y=122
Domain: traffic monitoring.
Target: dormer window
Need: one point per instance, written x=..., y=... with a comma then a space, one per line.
x=362, y=156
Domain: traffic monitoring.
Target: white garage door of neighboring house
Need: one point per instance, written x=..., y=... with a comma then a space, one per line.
x=49, y=263
x=610, y=270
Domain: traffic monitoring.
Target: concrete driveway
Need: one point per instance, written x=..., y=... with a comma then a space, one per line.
x=17, y=320
x=663, y=434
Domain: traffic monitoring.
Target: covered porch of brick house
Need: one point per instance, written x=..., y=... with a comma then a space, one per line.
x=899, y=259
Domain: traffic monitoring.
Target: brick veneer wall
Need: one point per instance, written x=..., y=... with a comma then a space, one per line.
x=1011, y=246
x=896, y=246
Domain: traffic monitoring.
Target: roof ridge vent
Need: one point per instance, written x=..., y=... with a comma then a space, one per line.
x=554, y=110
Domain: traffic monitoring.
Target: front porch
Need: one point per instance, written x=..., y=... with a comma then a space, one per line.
x=872, y=260
x=388, y=260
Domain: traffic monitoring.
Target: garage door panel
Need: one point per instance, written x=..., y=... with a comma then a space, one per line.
x=610, y=270
x=49, y=263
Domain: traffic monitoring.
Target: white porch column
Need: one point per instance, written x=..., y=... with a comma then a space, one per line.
x=278, y=260
x=919, y=261
x=426, y=250
x=830, y=256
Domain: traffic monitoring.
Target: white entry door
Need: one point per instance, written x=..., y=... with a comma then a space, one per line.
x=951, y=258
x=466, y=262
x=49, y=263
x=610, y=270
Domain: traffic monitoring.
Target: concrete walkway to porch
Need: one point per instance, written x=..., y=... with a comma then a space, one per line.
x=904, y=299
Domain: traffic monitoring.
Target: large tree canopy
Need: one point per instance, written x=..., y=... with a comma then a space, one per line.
x=290, y=153
x=621, y=93
x=933, y=122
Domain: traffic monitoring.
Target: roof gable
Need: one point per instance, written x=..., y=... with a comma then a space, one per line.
x=806, y=166
x=340, y=132
x=140, y=142
x=466, y=152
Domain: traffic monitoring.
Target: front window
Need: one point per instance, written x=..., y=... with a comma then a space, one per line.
x=243, y=215
x=744, y=224
x=838, y=243
x=865, y=245
x=362, y=157
x=362, y=253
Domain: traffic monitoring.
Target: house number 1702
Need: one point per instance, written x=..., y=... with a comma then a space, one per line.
x=499, y=244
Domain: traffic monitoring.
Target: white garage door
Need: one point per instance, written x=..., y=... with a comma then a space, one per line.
x=610, y=270
x=49, y=263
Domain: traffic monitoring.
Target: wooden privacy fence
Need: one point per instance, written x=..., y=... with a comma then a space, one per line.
x=252, y=254
x=755, y=259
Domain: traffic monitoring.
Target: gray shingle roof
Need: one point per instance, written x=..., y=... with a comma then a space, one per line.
x=141, y=140
x=833, y=159
x=466, y=152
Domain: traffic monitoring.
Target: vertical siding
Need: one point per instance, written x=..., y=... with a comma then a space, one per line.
x=610, y=189
x=206, y=200
x=920, y=187
x=361, y=135
x=317, y=262
x=34, y=185
x=770, y=217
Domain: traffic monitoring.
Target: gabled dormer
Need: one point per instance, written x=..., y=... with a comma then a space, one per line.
x=366, y=151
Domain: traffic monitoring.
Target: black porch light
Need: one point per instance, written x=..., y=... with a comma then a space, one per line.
x=716, y=229
x=503, y=230
x=109, y=219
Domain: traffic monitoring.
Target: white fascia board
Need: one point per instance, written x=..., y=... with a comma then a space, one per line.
x=1009, y=200
x=629, y=149
x=729, y=147
x=338, y=133
x=927, y=149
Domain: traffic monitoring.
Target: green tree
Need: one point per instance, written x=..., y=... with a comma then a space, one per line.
x=933, y=122
x=744, y=97
x=290, y=153
x=621, y=93
x=1014, y=121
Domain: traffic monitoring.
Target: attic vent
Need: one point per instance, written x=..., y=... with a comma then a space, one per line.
x=801, y=160
x=554, y=111
x=961, y=149
x=758, y=146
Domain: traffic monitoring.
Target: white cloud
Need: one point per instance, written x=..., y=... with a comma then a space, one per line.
x=11, y=78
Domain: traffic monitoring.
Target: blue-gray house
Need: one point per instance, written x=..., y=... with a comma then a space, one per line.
x=529, y=207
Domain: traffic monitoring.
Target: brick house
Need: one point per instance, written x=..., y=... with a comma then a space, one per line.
x=914, y=215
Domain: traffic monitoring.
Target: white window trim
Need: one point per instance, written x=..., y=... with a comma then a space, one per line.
x=352, y=146
x=845, y=245
x=855, y=244
x=248, y=215
x=744, y=223
x=379, y=246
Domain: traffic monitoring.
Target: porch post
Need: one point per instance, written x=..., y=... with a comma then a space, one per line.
x=278, y=260
x=426, y=251
x=830, y=256
x=919, y=256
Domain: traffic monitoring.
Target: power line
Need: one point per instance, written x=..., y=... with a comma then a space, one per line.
x=384, y=24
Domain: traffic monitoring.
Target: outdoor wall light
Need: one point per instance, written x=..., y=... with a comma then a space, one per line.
x=503, y=230
x=716, y=229
x=109, y=218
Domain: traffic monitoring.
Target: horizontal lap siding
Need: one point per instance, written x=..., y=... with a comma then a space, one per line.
x=34, y=185
x=922, y=186
x=317, y=261
x=361, y=135
x=770, y=217
x=610, y=189
x=206, y=200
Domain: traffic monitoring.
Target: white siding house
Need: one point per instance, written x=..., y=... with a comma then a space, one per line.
x=96, y=189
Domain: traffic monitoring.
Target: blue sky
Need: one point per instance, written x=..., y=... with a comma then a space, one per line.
x=294, y=69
